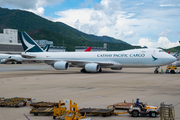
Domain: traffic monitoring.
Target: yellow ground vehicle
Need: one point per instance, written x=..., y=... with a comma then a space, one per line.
x=171, y=69
x=69, y=110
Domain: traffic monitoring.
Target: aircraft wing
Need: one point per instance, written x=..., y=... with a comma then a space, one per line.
x=81, y=63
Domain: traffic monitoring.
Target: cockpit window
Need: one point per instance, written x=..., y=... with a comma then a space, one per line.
x=161, y=50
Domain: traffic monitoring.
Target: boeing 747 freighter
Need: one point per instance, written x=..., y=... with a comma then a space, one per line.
x=95, y=61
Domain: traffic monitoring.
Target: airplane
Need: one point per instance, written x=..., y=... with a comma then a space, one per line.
x=4, y=58
x=176, y=63
x=88, y=49
x=46, y=48
x=95, y=61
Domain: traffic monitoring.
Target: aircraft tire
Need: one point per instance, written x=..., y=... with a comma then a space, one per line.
x=83, y=71
x=156, y=72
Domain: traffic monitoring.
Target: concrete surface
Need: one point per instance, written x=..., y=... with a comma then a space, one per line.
x=87, y=89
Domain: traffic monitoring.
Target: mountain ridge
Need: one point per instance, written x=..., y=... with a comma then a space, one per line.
x=40, y=28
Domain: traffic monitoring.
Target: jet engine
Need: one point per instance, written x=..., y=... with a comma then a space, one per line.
x=92, y=67
x=61, y=65
x=117, y=68
x=3, y=61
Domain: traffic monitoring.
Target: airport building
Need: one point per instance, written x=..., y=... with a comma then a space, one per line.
x=42, y=43
x=9, y=41
x=93, y=49
x=52, y=48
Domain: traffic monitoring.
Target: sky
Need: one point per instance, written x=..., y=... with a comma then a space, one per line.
x=151, y=23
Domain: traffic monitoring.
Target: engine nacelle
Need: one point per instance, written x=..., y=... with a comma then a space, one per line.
x=92, y=67
x=61, y=65
x=3, y=61
x=118, y=68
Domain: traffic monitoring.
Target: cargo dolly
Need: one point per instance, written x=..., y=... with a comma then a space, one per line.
x=14, y=102
x=42, y=110
x=43, y=104
x=122, y=105
x=99, y=111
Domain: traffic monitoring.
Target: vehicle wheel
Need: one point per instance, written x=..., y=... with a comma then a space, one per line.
x=152, y=114
x=135, y=113
x=54, y=117
x=172, y=72
x=104, y=115
x=36, y=114
x=82, y=114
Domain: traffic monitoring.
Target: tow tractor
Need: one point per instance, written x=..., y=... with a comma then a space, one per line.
x=143, y=110
x=171, y=69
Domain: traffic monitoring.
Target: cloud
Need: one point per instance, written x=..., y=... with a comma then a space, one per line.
x=38, y=11
x=162, y=42
x=128, y=34
x=166, y=32
x=35, y=6
x=98, y=20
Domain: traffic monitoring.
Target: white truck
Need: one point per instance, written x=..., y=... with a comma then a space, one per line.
x=143, y=110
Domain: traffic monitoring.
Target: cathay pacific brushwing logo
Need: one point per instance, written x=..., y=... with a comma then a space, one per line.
x=154, y=58
x=29, y=46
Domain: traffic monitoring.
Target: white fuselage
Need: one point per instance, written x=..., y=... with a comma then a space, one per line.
x=10, y=57
x=127, y=58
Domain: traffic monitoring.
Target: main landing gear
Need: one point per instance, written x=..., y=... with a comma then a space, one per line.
x=156, y=70
x=84, y=71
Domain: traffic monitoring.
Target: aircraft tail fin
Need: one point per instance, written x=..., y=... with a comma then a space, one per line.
x=176, y=55
x=88, y=49
x=46, y=48
x=29, y=45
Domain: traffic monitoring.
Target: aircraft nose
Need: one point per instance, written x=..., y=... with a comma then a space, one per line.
x=173, y=59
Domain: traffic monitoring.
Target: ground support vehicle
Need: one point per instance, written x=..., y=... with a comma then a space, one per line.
x=42, y=110
x=99, y=111
x=172, y=69
x=122, y=105
x=70, y=111
x=143, y=110
x=167, y=112
x=14, y=102
x=43, y=104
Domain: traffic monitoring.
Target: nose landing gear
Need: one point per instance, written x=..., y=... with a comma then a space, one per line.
x=156, y=70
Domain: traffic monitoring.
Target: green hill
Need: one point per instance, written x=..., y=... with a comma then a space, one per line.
x=41, y=28
x=174, y=49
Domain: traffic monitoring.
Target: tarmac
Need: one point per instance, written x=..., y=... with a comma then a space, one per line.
x=96, y=90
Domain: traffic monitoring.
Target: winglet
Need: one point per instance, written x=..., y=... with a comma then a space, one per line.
x=46, y=48
x=29, y=45
x=88, y=49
